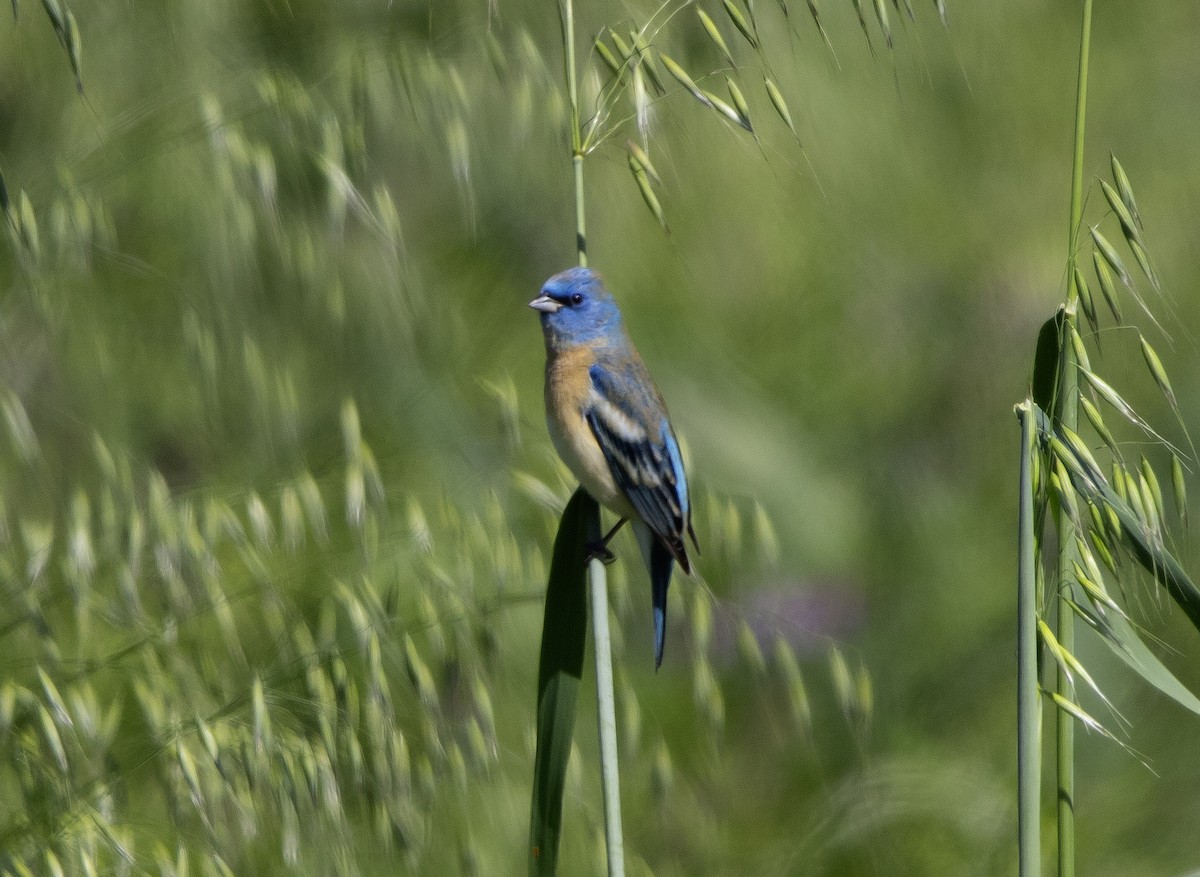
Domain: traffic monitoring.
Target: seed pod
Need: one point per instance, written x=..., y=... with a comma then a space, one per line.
x=740, y=22
x=714, y=34
x=781, y=106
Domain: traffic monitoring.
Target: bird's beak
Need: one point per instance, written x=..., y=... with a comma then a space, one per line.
x=546, y=305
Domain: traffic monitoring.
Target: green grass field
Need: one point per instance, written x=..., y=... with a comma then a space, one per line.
x=277, y=499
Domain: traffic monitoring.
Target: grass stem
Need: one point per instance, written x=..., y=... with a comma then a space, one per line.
x=606, y=713
x=606, y=717
x=1068, y=388
x=567, y=13
x=1028, y=700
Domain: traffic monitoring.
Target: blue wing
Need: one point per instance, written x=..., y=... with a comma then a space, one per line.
x=629, y=420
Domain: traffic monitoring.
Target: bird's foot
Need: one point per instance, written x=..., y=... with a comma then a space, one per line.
x=599, y=551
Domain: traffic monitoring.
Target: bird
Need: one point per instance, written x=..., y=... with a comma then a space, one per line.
x=609, y=424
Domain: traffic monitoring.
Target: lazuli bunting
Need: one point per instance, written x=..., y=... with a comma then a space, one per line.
x=609, y=424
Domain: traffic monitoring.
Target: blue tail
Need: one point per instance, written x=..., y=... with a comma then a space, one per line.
x=661, y=563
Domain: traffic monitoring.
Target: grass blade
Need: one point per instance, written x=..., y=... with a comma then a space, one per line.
x=1044, y=381
x=560, y=667
x=1122, y=638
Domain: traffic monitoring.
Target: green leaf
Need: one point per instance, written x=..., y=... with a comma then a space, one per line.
x=1046, y=363
x=560, y=667
x=1122, y=638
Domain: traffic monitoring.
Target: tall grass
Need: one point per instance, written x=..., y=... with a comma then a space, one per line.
x=1094, y=522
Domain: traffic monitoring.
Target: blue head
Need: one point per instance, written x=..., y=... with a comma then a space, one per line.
x=576, y=308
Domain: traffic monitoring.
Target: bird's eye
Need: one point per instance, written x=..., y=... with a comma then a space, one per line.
x=577, y=299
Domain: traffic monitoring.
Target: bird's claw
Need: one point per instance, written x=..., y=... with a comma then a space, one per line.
x=599, y=551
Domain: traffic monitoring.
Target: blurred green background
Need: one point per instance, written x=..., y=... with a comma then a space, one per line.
x=278, y=496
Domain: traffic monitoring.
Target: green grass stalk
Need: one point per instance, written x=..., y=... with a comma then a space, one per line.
x=606, y=718
x=566, y=10
x=1068, y=400
x=1028, y=701
x=606, y=714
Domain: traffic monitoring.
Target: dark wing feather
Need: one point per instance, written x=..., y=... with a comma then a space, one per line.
x=629, y=420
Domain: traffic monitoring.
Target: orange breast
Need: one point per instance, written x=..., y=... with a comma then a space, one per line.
x=568, y=388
